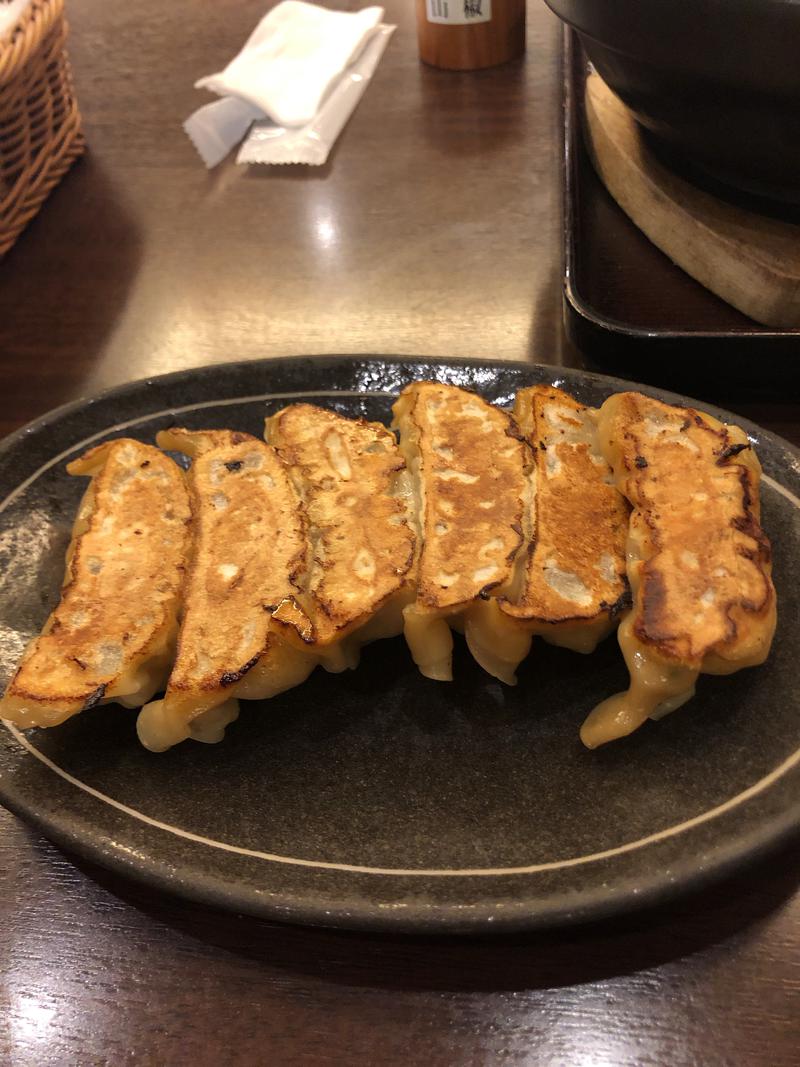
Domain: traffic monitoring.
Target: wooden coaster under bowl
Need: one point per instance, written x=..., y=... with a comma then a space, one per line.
x=752, y=261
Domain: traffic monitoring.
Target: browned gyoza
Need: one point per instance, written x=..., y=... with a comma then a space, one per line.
x=698, y=561
x=570, y=586
x=469, y=464
x=302, y=552
x=355, y=494
x=283, y=556
x=112, y=635
x=248, y=568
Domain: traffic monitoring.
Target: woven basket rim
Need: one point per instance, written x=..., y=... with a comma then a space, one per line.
x=41, y=121
x=17, y=47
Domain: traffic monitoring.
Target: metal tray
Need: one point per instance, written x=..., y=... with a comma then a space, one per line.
x=630, y=310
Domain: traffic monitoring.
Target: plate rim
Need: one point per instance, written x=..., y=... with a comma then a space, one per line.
x=112, y=392
x=422, y=919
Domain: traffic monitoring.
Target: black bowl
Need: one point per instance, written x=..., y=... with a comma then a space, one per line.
x=716, y=83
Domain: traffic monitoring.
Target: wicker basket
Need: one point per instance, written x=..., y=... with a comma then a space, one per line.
x=40, y=125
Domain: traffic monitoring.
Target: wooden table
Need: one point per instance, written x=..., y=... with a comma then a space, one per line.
x=434, y=229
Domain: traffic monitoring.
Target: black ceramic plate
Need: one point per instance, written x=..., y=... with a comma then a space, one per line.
x=376, y=798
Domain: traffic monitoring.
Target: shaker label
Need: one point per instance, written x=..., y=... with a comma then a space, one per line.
x=458, y=12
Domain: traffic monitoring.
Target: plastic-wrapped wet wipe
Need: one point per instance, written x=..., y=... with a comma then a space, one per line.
x=216, y=128
x=300, y=75
x=268, y=143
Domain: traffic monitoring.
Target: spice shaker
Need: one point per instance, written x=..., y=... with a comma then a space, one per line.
x=470, y=34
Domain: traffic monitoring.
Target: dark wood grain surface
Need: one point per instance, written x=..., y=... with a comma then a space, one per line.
x=435, y=229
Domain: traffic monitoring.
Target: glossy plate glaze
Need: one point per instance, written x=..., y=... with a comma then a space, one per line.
x=378, y=799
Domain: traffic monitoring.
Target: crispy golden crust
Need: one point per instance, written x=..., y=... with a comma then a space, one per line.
x=249, y=556
x=704, y=597
x=119, y=603
x=347, y=472
x=575, y=568
x=468, y=461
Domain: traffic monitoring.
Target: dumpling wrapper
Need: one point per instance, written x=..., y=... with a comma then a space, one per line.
x=355, y=491
x=242, y=633
x=571, y=585
x=111, y=637
x=469, y=466
x=699, y=564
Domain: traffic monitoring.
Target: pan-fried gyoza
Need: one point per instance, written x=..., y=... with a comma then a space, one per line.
x=469, y=464
x=570, y=586
x=248, y=568
x=355, y=492
x=699, y=563
x=234, y=580
x=112, y=635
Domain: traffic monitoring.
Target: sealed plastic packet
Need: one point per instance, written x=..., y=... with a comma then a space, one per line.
x=269, y=143
x=299, y=76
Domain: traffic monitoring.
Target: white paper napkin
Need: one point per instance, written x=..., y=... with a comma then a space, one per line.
x=293, y=57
